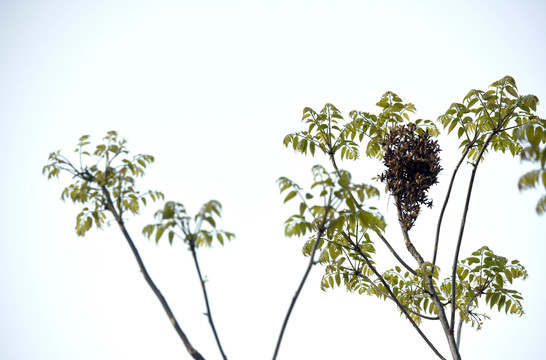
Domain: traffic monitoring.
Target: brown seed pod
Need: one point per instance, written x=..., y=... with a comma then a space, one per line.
x=413, y=165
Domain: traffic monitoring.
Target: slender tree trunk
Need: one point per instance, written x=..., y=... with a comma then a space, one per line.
x=209, y=314
x=435, y=299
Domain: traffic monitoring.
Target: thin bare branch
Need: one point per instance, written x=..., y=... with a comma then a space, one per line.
x=461, y=230
x=320, y=233
x=452, y=181
x=110, y=205
x=209, y=314
x=395, y=254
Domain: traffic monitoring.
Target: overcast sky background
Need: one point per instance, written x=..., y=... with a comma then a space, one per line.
x=210, y=88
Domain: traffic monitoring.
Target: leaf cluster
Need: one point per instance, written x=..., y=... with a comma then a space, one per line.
x=486, y=274
x=334, y=215
x=408, y=288
x=331, y=197
x=491, y=113
x=533, y=139
x=196, y=231
x=375, y=128
x=324, y=132
x=104, y=180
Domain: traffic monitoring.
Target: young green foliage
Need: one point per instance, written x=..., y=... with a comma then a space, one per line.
x=108, y=184
x=533, y=139
x=483, y=121
x=374, y=128
x=324, y=132
x=485, y=273
x=104, y=180
x=332, y=193
x=198, y=231
x=484, y=114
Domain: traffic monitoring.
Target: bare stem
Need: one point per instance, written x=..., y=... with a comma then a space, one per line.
x=438, y=227
x=461, y=230
x=434, y=295
x=191, y=350
x=395, y=254
x=320, y=233
x=400, y=306
x=209, y=314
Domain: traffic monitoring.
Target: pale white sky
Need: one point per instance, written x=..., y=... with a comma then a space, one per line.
x=210, y=88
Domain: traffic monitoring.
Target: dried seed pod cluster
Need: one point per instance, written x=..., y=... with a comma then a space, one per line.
x=413, y=165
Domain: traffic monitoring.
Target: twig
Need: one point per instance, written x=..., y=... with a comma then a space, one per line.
x=479, y=293
x=438, y=227
x=395, y=254
x=320, y=233
x=209, y=314
x=461, y=230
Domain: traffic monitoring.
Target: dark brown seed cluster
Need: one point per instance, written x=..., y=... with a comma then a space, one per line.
x=413, y=165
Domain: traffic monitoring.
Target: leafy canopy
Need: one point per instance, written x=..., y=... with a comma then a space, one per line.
x=499, y=119
x=105, y=180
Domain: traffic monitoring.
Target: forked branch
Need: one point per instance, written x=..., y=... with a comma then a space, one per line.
x=434, y=295
x=110, y=206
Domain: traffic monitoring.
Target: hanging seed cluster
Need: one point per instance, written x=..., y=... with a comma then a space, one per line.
x=413, y=165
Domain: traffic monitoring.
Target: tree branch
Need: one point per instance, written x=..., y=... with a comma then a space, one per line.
x=402, y=308
x=486, y=112
x=420, y=261
x=479, y=293
x=359, y=206
x=466, y=150
x=209, y=314
x=434, y=295
x=191, y=350
x=409, y=245
x=461, y=230
x=402, y=262
x=359, y=274
x=320, y=233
